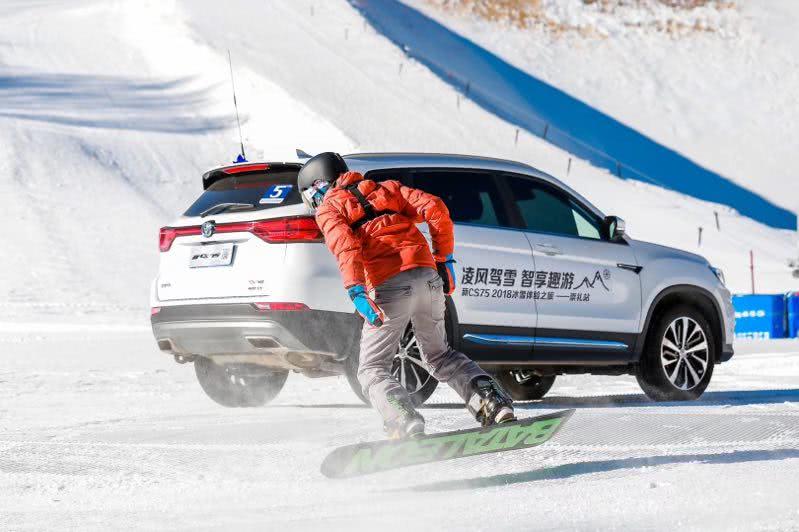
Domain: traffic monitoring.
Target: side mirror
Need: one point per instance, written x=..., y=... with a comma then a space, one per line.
x=615, y=227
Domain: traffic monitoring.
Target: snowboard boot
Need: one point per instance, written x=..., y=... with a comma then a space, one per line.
x=408, y=423
x=489, y=403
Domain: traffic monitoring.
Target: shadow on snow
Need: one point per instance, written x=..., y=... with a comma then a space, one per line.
x=603, y=466
x=112, y=102
x=722, y=398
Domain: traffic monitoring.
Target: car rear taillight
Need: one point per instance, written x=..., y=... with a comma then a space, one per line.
x=281, y=306
x=167, y=235
x=154, y=310
x=278, y=230
x=302, y=229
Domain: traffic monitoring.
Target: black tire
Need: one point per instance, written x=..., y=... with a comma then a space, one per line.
x=524, y=386
x=235, y=387
x=419, y=383
x=662, y=372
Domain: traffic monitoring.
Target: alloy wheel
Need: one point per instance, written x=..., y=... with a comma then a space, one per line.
x=684, y=353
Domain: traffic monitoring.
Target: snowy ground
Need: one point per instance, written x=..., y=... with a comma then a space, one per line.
x=101, y=431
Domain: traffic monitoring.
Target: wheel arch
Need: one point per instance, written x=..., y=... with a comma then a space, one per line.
x=694, y=296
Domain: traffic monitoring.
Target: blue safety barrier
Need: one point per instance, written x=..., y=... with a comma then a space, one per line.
x=760, y=316
x=793, y=315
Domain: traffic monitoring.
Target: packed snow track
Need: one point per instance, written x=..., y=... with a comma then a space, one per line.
x=100, y=430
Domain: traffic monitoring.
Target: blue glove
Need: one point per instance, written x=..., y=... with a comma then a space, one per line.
x=446, y=270
x=365, y=306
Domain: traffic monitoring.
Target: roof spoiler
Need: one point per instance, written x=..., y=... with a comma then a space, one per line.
x=212, y=176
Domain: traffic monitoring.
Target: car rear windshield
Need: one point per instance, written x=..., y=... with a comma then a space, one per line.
x=248, y=191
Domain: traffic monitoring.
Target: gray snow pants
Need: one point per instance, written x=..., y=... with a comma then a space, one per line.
x=414, y=295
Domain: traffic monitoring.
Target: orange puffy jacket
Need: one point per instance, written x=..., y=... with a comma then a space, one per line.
x=388, y=244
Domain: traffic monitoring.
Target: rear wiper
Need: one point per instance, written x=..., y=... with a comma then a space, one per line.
x=221, y=207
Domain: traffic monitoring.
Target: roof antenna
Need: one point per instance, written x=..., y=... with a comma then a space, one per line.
x=242, y=158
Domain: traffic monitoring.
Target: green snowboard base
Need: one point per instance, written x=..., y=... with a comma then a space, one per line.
x=373, y=457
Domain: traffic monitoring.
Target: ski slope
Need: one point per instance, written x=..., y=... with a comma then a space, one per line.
x=368, y=88
x=564, y=121
x=100, y=431
x=112, y=110
x=717, y=83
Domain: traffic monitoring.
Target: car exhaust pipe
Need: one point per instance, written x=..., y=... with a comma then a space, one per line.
x=165, y=344
x=263, y=342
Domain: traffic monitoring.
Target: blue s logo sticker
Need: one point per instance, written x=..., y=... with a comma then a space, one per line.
x=276, y=194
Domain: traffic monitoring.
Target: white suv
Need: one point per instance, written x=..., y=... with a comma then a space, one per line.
x=547, y=285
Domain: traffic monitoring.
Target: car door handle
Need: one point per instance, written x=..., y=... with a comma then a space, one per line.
x=631, y=267
x=548, y=249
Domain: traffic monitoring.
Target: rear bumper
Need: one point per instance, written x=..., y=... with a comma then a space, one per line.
x=241, y=329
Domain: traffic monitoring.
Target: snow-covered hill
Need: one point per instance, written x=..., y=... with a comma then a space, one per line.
x=717, y=83
x=112, y=110
x=110, y=114
x=545, y=110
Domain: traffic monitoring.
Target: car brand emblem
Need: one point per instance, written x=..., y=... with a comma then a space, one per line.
x=208, y=228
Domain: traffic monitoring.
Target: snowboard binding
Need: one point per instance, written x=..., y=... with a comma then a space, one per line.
x=408, y=423
x=489, y=403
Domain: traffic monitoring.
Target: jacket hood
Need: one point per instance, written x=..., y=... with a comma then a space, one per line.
x=348, y=178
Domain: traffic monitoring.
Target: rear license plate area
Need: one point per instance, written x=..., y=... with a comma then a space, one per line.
x=211, y=255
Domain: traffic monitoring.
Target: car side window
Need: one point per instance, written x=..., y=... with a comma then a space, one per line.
x=544, y=209
x=400, y=174
x=585, y=227
x=471, y=196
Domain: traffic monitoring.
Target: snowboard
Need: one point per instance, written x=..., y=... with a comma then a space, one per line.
x=373, y=457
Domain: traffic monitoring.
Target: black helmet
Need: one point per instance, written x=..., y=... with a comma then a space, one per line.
x=326, y=166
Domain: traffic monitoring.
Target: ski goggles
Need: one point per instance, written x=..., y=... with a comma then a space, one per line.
x=315, y=194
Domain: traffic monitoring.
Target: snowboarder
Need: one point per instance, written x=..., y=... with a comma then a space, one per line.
x=371, y=230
